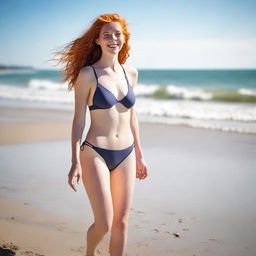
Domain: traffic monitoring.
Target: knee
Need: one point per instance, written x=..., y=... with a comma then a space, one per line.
x=103, y=226
x=120, y=222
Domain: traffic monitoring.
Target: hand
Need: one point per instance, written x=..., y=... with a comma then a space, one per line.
x=141, y=168
x=75, y=172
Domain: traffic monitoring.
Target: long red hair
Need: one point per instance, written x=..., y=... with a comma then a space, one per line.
x=84, y=51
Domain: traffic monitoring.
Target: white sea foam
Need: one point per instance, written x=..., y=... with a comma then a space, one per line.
x=46, y=84
x=247, y=92
x=34, y=94
x=197, y=110
x=234, y=117
x=174, y=91
x=145, y=90
x=185, y=93
x=248, y=128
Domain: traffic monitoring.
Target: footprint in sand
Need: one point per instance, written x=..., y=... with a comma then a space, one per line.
x=138, y=226
x=79, y=249
x=213, y=240
x=185, y=229
x=142, y=244
x=156, y=230
x=154, y=238
x=176, y=235
x=203, y=242
x=10, y=246
x=170, y=213
x=98, y=252
x=145, y=221
x=61, y=227
x=30, y=253
x=139, y=212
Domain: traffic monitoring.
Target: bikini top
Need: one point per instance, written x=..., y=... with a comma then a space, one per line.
x=103, y=98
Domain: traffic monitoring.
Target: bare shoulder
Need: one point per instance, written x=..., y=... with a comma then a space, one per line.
x=85, y=77
x=132, y=73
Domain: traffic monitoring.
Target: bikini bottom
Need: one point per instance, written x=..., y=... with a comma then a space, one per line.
x=111, y=157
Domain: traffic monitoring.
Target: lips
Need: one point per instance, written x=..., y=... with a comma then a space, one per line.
x=112, y=45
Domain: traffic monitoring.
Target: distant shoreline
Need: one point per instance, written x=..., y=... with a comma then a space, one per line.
x=13, y=68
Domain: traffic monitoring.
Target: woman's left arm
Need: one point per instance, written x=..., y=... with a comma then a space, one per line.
x=141, y=166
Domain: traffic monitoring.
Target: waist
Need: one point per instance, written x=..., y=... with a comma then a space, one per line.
x=110, y=139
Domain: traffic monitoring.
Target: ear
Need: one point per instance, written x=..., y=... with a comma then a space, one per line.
x=97, y=41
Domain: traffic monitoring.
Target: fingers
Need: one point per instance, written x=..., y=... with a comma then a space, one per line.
x=71, y=182
x=71, y=178
x=142, y=173
x=145, y=172
x=78, y=178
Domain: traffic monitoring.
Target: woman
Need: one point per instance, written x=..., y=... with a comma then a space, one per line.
x=110, y=157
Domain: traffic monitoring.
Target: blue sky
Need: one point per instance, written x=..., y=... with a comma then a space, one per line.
x=164, y=34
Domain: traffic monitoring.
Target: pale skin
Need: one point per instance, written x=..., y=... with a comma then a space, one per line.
x=110, y=193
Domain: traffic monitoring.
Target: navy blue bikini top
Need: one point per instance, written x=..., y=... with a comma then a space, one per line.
x=103, y=98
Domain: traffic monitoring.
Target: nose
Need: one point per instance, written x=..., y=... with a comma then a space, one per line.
x=113, y=36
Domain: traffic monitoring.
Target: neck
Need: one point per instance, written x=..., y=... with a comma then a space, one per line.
x=109, y=61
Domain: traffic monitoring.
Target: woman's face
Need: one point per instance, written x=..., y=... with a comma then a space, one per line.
x=111, y=38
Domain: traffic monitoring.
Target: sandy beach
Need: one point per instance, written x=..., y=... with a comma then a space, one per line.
x=198, y=200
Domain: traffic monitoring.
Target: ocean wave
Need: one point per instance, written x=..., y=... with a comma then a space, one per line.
x=232, y=95
x=213, y=111
x=45, y=84
x=244, y=128
x=172, y=92
x=186, y=109
x=231, y=117
x=33, y=94
x=196, y=94
x=245, y=91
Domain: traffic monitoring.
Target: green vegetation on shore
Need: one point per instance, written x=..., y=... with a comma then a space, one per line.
x=224, y=95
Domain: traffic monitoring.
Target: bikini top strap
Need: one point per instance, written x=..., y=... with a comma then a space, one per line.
x=125, y=74
x=95, y=73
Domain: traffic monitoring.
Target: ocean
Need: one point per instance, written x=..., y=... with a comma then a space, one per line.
x=222, y=100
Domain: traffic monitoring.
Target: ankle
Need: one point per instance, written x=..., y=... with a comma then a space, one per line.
x=90, y=254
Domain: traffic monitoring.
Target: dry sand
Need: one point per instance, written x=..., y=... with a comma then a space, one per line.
x=199, y=198
x=36, y=232
x=27, y=125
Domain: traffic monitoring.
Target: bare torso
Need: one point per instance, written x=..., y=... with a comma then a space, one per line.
x=110, y=128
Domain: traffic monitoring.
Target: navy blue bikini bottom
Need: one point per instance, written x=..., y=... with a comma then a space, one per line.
x=111, y=157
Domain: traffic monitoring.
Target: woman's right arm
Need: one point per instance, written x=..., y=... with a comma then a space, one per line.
x=82, y=88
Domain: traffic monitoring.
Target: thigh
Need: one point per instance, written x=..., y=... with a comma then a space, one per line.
x=122, y=180
x=96, y=179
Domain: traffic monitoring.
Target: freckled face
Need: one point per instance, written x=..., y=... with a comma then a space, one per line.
x=111, y=38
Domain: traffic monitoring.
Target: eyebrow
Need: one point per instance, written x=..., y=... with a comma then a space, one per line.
x=109, y=31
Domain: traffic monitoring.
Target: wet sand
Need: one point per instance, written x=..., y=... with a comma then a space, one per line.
x=197, y=200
